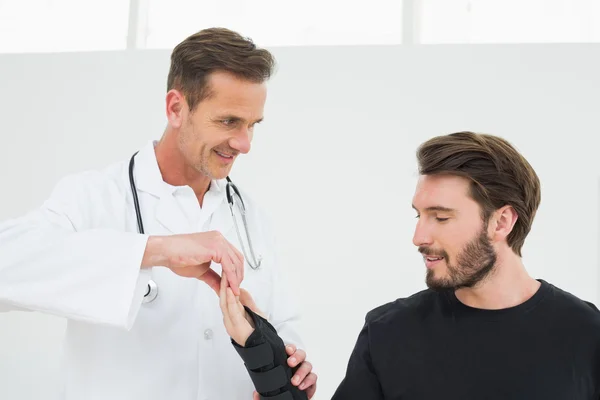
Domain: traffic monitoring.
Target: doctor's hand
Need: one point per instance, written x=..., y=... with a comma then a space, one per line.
x=190, y=255
x=304, y=378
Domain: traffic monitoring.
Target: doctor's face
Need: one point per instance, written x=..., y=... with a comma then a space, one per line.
x=222, y=125
x=450, y=233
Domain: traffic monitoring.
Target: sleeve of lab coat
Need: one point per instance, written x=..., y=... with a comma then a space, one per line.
x=53, y=261
x=361, y=380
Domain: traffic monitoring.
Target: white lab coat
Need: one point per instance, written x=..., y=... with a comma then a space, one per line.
x=78, y=256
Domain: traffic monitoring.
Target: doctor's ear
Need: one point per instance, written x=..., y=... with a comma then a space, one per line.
x=176, y=108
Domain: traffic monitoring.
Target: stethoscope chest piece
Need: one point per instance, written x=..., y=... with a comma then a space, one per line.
x=151, y=292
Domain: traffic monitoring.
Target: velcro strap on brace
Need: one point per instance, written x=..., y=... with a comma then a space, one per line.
x=282, y=396
x=256, y=357
x=269, y=381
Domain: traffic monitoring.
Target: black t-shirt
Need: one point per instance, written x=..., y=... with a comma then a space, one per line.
x=430, y=346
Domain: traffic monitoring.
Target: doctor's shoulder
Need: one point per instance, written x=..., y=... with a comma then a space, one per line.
x=89, y=198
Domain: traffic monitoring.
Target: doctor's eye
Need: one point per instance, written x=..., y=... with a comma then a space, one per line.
x=229, y=122
x=442, y=219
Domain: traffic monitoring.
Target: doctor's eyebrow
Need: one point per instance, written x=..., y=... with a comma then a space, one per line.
x=436, y=208
x=236, y=118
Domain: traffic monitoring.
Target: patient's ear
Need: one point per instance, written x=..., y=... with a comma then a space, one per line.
x=502, y=223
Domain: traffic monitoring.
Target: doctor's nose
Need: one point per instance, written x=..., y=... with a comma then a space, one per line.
x=241, y=141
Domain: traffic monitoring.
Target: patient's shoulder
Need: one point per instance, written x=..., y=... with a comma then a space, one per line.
x=419, y=304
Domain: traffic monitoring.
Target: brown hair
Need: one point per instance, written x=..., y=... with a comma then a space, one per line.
x=499, y=175
x=215, y=49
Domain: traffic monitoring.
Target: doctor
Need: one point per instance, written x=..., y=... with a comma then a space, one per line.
x=143, y=312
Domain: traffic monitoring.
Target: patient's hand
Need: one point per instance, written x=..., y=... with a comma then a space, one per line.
x=238, y=323
x=248, y=301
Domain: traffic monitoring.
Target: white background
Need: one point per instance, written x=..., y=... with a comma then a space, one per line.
x=92, y=25
x=333, y=162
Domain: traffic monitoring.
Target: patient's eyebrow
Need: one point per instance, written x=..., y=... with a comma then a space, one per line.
x=436, y=208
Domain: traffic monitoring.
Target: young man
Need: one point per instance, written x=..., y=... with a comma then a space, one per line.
x=143, y=317
x=484, y=328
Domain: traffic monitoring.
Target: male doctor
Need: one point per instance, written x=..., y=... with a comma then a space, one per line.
x=140, y=326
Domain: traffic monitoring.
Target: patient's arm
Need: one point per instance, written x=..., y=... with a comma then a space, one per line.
x=259, y=346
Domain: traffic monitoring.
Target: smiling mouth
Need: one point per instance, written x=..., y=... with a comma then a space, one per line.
x=229, y=156
x=434, y=258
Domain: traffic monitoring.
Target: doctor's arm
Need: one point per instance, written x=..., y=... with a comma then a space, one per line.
x=73, y=257
x=47, y=265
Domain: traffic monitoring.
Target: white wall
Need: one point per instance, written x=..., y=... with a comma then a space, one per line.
x=333, y=163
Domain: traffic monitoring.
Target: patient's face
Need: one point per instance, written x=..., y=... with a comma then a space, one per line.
x=451, y=234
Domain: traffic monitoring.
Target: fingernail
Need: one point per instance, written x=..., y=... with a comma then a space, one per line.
x=296, y=379
x=293, y=360
x=289, y=348
x=302, y=387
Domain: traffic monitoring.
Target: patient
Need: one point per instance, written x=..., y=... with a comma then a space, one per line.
x=484, y=328
x=259, y=346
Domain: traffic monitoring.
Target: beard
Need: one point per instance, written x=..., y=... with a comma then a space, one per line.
x=473, y=264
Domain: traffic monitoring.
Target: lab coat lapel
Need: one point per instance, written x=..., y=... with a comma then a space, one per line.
x=221, y=219
x=170, y=215
x=168, y=212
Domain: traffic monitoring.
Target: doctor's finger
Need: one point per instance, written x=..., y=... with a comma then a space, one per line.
x=301, y=373
x=223, y=298
x=240, y=261
x=290, y=349
x=230, y=270
x=309, y=384
x=296, y=358
x=212, y=279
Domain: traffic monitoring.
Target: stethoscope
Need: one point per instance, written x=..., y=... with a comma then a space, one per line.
x=231, y=191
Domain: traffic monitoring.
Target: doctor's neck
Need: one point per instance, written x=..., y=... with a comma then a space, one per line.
x=175, y=171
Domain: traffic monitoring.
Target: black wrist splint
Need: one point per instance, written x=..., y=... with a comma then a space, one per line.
x=265, y=359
